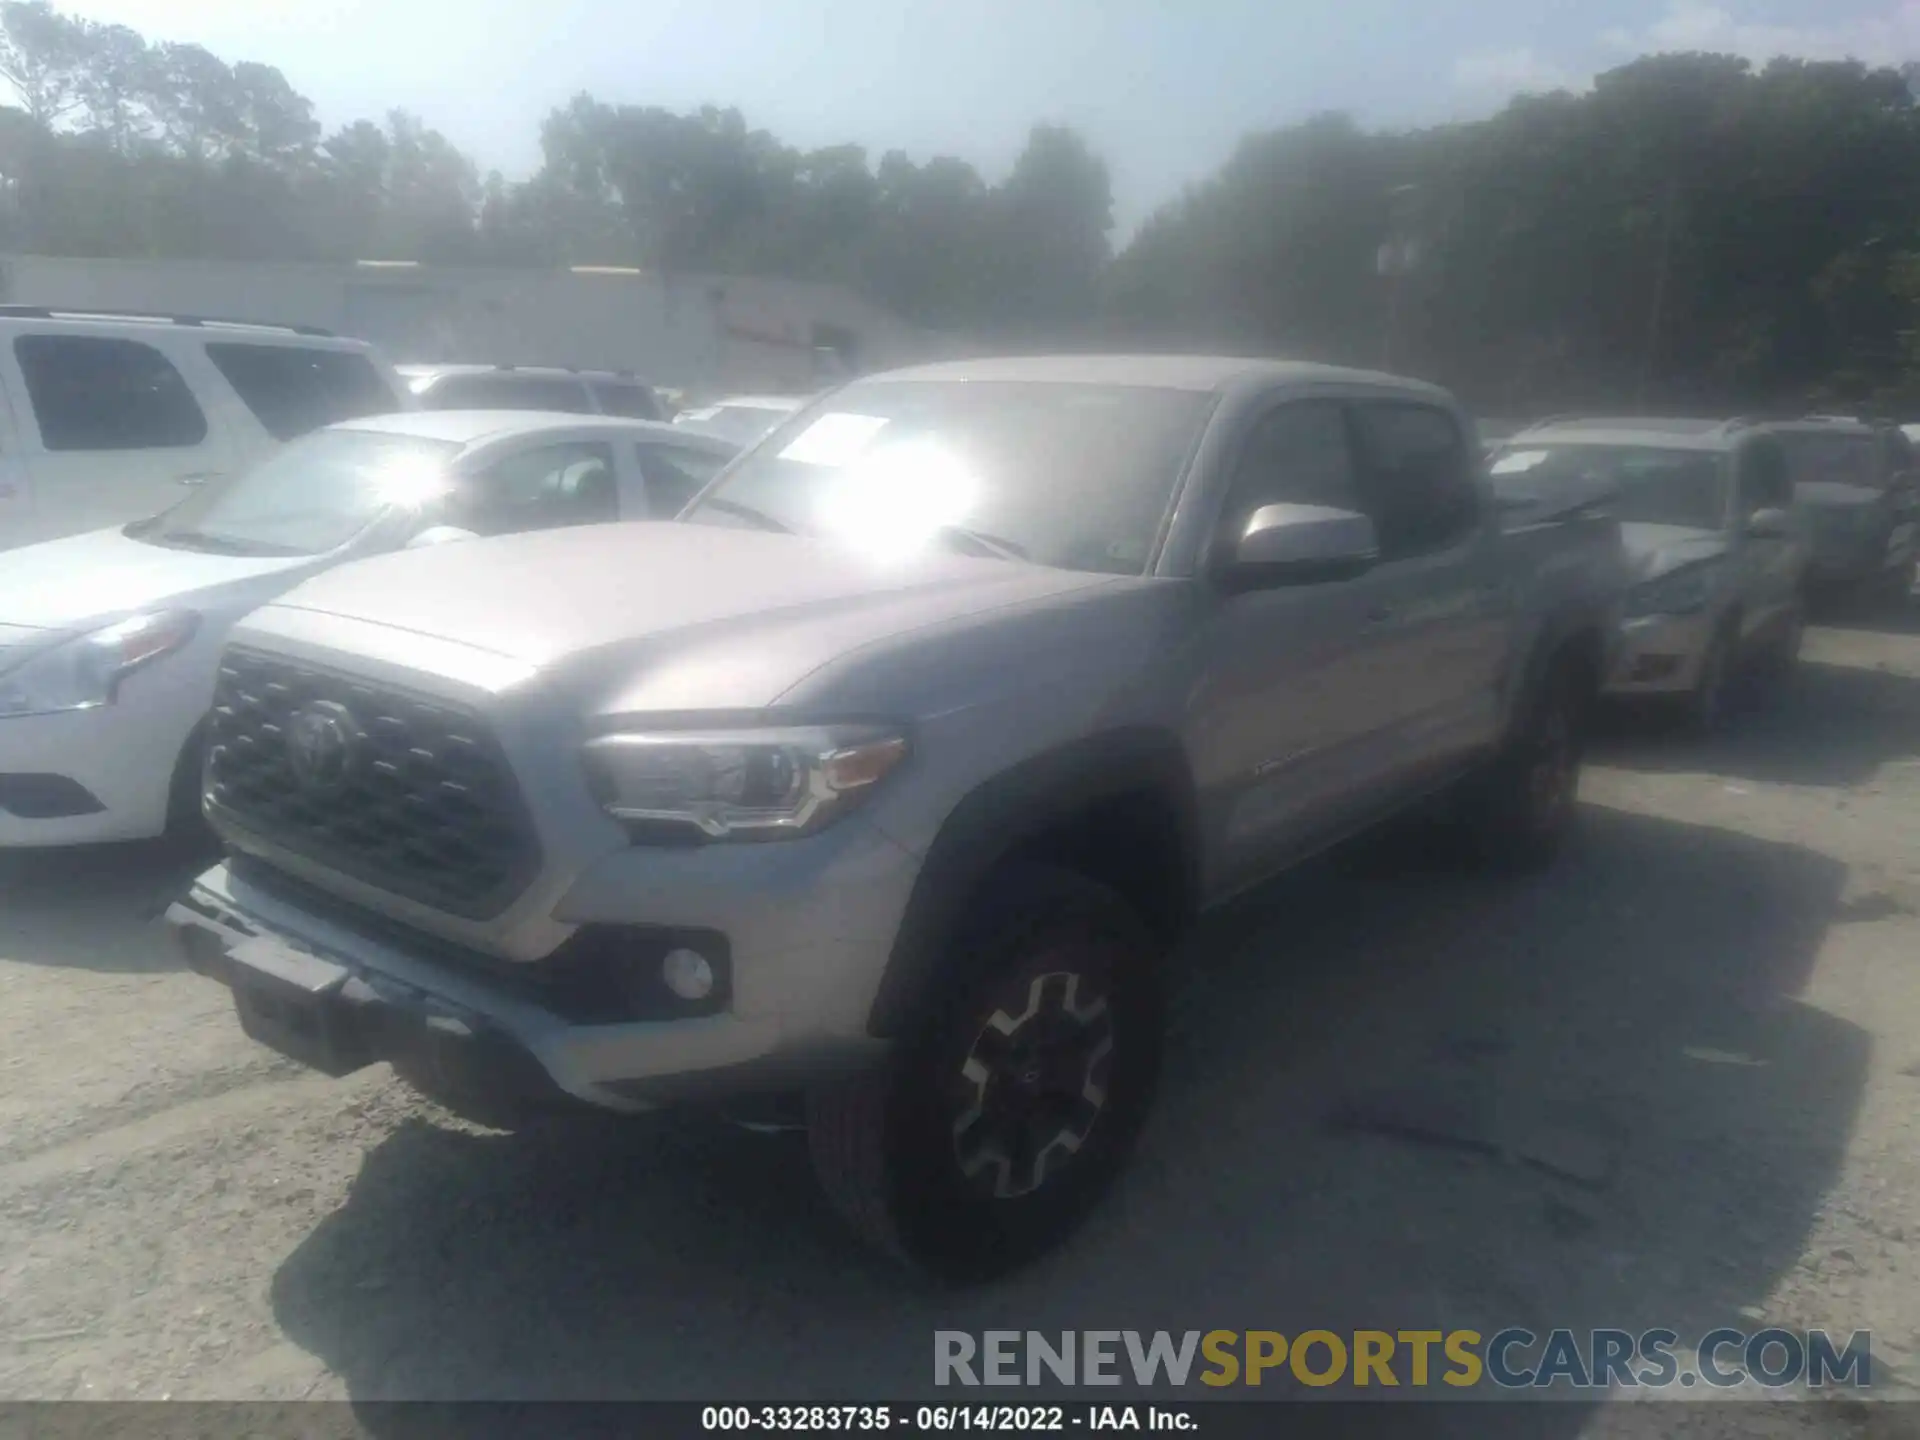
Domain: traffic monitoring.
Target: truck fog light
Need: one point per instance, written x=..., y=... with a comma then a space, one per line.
x=687, y=974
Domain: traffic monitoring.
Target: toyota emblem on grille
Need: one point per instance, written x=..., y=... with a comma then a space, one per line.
x=321, y=738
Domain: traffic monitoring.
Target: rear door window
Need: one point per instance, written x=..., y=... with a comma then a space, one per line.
x=292, y=390
x=92, y=392
x=508, y=392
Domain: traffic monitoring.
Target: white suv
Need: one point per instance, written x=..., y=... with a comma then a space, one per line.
x=104, y=418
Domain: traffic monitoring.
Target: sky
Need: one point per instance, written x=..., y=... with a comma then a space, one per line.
x=1161, y=88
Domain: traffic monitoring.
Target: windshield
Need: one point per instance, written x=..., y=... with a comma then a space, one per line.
x=1073, y=476
x=1649, y=484
x=310, y=497
x=1845, y=459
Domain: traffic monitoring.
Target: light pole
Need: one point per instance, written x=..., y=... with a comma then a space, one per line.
x=1395, y=260
x=1669, y=209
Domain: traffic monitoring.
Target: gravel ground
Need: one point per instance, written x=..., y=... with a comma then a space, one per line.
x=1671, y=1082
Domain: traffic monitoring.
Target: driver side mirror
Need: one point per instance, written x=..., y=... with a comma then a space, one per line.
x=1769, y=523
x=1300, y=545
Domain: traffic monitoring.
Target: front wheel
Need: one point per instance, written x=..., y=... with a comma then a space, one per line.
x=1006, y=1116
x=1703, y=709
x=1524, y=804
x=186, y=822
x=1783, y=649
x=1891, y=588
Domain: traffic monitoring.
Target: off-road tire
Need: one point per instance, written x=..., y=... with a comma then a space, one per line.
x=1782, y=654
x=1522, y=806
x=1890, y=589
x=187, y=825
x=887, y=1144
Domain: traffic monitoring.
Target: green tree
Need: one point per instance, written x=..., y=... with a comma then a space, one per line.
x=43, y=56
x=1050, y=221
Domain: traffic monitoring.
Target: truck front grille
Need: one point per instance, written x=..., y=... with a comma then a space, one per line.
x=410, y=795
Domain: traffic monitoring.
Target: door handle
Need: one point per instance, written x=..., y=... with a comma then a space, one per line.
x=196, y=477
x=1379, y=614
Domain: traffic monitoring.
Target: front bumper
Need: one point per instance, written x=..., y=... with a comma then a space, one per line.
x=1659, y=654
x=96, y=775
x=338, y=989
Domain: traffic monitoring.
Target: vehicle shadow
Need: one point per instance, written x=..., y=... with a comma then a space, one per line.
x=94, y=907
x=1827, y=724
x=1639, y=1123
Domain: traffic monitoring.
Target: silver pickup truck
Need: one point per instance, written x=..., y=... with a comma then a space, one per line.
x=888, y=777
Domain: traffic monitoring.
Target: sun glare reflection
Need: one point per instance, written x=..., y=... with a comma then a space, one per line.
x=407, y=481
x=895, y=498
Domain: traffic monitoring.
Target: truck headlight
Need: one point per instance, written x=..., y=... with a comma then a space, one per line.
x=85, y=672
x=1681, y=593
x=740, y=784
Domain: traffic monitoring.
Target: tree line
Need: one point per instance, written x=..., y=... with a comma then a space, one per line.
x=1690, y=232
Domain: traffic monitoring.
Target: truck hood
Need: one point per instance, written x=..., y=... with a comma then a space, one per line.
x=1655, y=550
x=87, y=580
x=656, y=615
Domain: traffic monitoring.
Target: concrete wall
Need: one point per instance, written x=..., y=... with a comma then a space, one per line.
x=729, y=333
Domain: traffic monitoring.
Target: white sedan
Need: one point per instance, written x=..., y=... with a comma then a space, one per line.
x=110, y=641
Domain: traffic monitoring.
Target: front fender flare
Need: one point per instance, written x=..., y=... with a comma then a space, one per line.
x=1014, y=808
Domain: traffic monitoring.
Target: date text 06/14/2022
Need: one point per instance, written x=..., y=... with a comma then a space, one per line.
x=938, y=1419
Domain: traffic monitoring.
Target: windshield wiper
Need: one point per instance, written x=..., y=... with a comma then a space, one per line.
x=983, y=543
x=747, y=513
x=222, y=544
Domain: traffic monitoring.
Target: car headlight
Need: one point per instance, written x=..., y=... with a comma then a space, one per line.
x=85, y=672
x=1680, y=593
x=739, y=784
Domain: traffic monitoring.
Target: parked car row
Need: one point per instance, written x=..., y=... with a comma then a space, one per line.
x=872, y=792
x=1859, y=489
x=1735, y=526
x=112, y=639
x=105, y=419
x=534, y=387
x=740, y=418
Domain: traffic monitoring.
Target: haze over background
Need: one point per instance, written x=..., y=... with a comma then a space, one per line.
x=1161, y=88
x=1544, y=209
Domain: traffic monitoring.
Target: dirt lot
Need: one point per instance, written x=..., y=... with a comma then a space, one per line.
x=1674, y=1081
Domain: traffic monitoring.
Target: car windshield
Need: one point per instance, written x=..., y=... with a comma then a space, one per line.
x=1648, y=484
x=1845, y=459
x=310, y=497
x=1068, y=475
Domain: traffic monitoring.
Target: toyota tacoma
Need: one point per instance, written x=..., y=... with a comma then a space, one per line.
x=886, y=777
